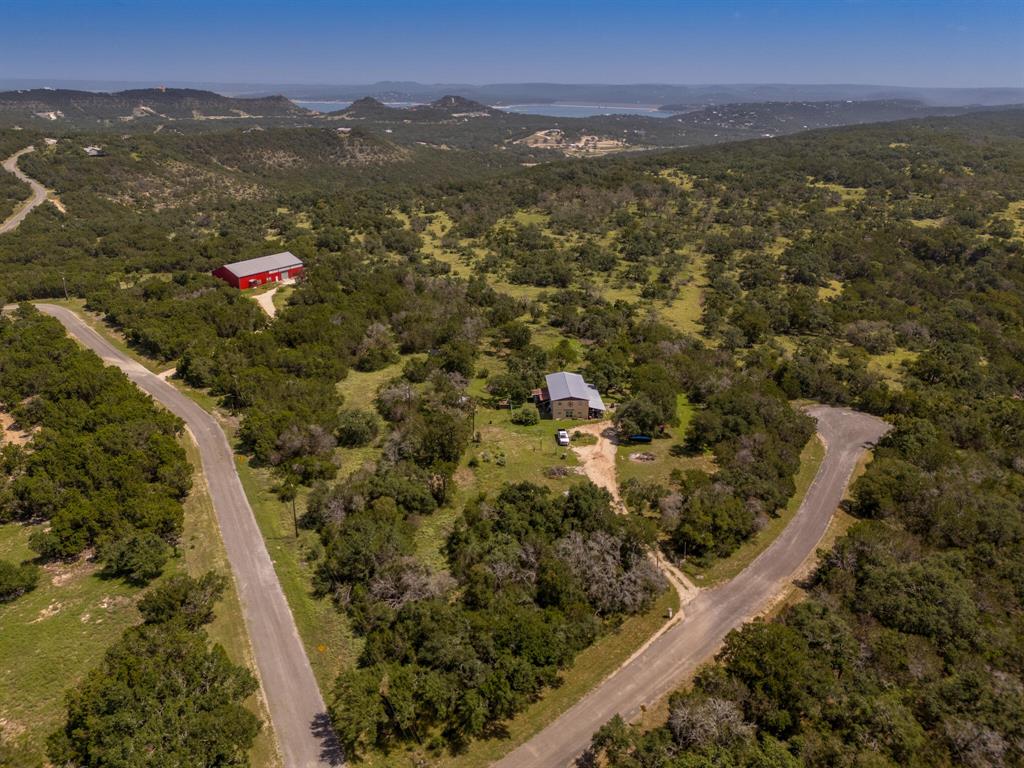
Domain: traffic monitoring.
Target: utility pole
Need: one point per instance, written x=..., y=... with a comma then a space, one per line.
x=65, y=284
x=288, y=490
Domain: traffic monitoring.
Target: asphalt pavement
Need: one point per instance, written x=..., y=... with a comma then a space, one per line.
x=38, y=192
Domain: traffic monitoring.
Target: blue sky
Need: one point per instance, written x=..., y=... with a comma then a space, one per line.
x=922, y=43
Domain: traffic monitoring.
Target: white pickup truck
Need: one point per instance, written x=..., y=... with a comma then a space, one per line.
x=562, y=436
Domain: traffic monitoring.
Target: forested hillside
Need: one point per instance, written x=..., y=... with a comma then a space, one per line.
x=86, y=110
x=707, y=292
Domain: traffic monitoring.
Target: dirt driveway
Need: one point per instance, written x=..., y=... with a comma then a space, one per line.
x=598, y=463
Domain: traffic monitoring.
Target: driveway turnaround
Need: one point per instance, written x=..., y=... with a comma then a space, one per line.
x=38, y=192
x=674, y=655
x=293, y=698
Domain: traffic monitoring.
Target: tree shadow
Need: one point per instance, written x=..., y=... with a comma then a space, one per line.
x=683, y=451
x=330, y=748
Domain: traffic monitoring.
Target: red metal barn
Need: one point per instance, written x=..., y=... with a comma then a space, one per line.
x=260, y=271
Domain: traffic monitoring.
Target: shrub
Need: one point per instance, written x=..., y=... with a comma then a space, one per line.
x=138, y=557
x=16, y=580
x=356, y=427
x=526, y=415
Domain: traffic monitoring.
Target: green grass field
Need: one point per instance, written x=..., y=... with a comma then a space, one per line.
x=51, y=637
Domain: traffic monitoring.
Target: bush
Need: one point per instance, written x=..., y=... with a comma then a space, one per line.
x=526, y=415
x=138, y=557
x=356, y=427
x=16, y=580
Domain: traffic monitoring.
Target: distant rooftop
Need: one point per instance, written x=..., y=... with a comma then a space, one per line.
x=283, y=260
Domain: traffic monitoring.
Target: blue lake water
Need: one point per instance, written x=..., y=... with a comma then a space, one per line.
x=548, y=110
x=582, y=110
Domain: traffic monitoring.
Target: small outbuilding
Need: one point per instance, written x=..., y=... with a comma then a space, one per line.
x=568, y=396
x=260, y=271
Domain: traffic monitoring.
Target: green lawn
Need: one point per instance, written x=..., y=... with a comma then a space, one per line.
x=359, y=388
x=506, y=453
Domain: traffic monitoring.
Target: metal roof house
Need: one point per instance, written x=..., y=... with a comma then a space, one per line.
x=261, y=270
x=568, y=396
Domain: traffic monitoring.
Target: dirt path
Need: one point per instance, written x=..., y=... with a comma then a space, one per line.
x=296, y=707
x=598, y=462
x=266, y=299
x=676, y=653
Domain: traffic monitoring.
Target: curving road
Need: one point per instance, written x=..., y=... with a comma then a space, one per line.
x=667, y=661
x=38, y=192
x=293, y=698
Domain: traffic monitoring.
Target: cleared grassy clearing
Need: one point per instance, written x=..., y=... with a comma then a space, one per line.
x=684, y=311
x=506, y=453
x=359, y=388
x=284, y=292
x=51, y=637
x=891, y=366
x=848, y=194
x=677, y=177
x=830, y=291
x=659, y=468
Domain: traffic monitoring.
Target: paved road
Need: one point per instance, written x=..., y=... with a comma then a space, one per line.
x=38, y=192
x=667, y=661
x=296, y=707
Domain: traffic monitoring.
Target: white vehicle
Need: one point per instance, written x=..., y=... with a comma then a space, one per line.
x=562, y=436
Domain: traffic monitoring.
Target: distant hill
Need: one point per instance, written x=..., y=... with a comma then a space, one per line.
x=366, y=108
x=153, y=104
x=652, y=93
x=444, y=109
x=776, y=117
x=456, y=105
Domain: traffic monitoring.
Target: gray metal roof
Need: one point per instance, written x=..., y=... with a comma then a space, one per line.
x=564, y=385
x=263, y=264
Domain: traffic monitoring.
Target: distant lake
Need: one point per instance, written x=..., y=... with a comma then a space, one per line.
x=582, y=110
x=548, y=110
